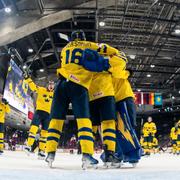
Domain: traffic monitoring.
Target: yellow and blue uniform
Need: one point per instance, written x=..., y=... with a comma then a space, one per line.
x=42, y=114
x=73, y=87
x=102, y=102
x=175, y=138
x=128, y=145
x=4, y=108
x=149, y=131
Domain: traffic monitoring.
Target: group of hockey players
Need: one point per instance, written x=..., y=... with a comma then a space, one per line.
x=175, y=138
x=94, y=79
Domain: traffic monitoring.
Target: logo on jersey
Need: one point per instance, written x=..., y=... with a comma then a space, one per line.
x=98, y=94
x=74, y=78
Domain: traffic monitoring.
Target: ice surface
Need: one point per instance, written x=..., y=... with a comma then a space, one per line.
x=18, y=166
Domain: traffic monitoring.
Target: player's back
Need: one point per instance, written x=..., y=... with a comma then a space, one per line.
x=71, y=62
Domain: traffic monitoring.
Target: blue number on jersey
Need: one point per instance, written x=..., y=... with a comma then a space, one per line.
x=77, y=59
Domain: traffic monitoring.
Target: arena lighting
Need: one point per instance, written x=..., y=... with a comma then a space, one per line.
x=177, y=31
x=41, y=70
x=7, y=10
x=173, y=97
x=24, y=67
x=102, y=23
x=148, y=75
x=30, y=50
x=152, y=66
x=132, y=56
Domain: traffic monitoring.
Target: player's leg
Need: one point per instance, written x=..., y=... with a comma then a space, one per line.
x=108, y=116
x=43, y=134
x=131, y=108
x=1, y=137
x=94, y=116
x=58, y=112
x=80, y=105
x=126, y=134
x=150, y=143
x=33, y=131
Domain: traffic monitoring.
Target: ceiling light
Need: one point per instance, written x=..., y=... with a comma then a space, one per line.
x=24, y=67
x=41, y=70
x=139, y=90
x=30, y=50
x=152, y=65
x=179, y=92
x=177, y=31
x=173, y=97
x=102, y=23
x=7, y=10
x=148, y=75
x=132, y=56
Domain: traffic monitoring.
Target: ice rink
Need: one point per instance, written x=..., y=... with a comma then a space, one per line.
x=18, y=166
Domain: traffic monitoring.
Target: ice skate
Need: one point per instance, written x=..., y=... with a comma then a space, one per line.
x=110, y=160
x=88, y=160
x=41, y=155
x=50, y=158
x=1, y=152
x=27, y=150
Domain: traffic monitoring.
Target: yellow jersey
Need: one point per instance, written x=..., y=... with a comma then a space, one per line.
x=44, y=96
x=149, y=128
x=71, y=56
x=174, y=133
x=101, y=85
x=122, y=87
x=4, y=108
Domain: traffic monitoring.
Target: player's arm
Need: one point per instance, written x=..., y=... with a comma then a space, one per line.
x=106, y=50
x=117, y=64
x=32, y=85
x=154, y=129
x=7, y=107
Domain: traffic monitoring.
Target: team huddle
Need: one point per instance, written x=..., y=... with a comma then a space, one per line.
x=93, y=77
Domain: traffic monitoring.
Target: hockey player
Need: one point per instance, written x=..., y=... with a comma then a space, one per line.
x=102, y=107
x=41, y=116
x=4, y=108
x=175, y=138
x=149, y=131
x=177, y=130
x=128, y=146
x=155, y=145
x=73, y=87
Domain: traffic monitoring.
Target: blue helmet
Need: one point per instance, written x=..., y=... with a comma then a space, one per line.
x=78, y=35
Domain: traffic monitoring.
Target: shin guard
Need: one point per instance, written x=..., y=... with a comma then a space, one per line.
x=32, y=133
x=1, y=140
x=42, y=140
x=54, y=132
x=109, y=134
x=85, y=135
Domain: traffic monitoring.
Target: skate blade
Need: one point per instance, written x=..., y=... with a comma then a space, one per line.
x=86, y=165
x=41, y=158
x=134, y=165
x=50, y=164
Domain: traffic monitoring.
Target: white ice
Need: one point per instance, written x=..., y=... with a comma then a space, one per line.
x=18, y=166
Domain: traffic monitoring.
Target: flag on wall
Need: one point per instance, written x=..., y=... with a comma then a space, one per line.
x=151, y=98
x=148, y=98
x=158, y=99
